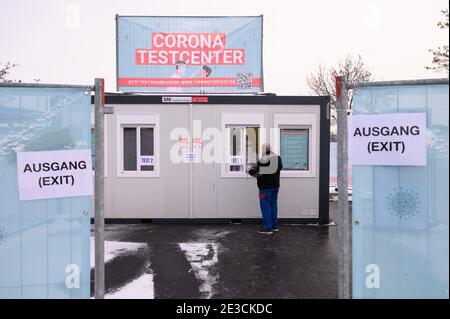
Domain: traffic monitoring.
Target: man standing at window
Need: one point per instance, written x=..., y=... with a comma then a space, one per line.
x=267, y=173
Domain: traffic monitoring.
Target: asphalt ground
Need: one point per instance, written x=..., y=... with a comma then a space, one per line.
x=222, y=261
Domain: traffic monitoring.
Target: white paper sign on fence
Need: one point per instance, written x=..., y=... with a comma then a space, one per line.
x=388, y=139
x=54, y=174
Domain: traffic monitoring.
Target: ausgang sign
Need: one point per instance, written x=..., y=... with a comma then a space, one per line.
x=388, y=139
x=54, y=174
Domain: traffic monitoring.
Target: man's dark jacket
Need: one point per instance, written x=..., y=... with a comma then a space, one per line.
x=267, y=171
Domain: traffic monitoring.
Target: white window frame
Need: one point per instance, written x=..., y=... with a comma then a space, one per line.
x=138, y=120
x=240, y=120
x=298, y=121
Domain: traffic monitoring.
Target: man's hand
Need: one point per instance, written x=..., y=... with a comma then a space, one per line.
x=252, y=170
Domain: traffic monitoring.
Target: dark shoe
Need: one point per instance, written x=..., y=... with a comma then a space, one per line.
x=265, y=232
x=275, y=230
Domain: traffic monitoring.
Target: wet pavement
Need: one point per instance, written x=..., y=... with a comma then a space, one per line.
x=221, y=261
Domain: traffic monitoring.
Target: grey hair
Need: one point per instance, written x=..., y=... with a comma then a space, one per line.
x=266, y=148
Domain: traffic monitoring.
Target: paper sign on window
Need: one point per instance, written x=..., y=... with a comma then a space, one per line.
x=236, y=160
x=192, y=157
x=146, y=160
x=197, y=145
x=184, y=144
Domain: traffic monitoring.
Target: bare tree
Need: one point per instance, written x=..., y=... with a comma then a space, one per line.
x=440, y=55
x=5, y=69
x=323, y=82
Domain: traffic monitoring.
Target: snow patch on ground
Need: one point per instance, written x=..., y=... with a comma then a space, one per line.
x=211, y=234
x=331, y=223
x=114, y=249
x=140, y=288
x=202, y=257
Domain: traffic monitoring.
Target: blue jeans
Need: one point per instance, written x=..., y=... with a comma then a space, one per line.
x=268, y=202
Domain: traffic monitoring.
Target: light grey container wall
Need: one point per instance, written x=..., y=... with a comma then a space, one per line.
x=166, y=196
x=206, y=190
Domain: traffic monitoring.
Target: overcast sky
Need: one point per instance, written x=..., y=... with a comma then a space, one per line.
x=72, y=42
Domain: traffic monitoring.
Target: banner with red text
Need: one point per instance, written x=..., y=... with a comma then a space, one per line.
x=189, y=54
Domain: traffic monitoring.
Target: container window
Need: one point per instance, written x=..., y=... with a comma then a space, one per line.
x=147, y=149
x=138, y=147
x=243, y=136
x=129, y=149
x=236, y=136
x=294, y=149
x=244, y=147
x=251, y=144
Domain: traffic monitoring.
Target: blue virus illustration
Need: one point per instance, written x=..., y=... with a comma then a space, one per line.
x=403, y=203
x=2, y=235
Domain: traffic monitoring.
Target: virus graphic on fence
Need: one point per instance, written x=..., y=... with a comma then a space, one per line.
x=403, y=203
x=2, y=235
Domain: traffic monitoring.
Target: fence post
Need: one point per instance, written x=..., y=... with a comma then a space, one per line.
x=343, y=213
x=99, y=273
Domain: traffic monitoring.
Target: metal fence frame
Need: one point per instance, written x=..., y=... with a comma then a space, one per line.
x=99, y=98
x=342, y=88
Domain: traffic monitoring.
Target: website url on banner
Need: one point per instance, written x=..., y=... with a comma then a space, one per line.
x=192, y=82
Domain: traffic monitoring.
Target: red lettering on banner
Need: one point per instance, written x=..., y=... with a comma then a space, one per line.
x=191, y=48
x=188, y=41
x=162, y=57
